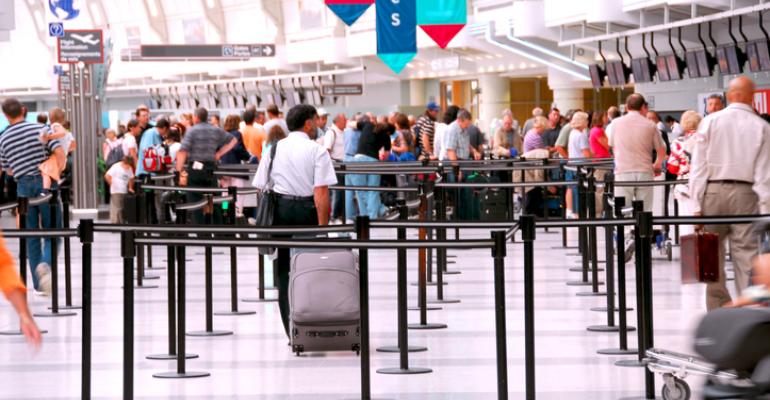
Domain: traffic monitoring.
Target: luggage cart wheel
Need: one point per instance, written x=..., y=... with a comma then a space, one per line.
x=675, y=389
x=669, y=251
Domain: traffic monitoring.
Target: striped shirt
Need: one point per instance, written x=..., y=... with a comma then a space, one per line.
x=425, y=126
x=533, y=141
x=21, y=150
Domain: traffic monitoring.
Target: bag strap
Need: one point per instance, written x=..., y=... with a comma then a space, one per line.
x=269, y=185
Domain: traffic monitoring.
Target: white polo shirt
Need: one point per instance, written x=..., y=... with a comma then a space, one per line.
x=300, y=166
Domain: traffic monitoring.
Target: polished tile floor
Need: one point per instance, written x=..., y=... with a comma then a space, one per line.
x=255, y=362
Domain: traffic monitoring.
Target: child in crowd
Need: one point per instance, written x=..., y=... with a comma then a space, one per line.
x=53, y=166
x=120, y=177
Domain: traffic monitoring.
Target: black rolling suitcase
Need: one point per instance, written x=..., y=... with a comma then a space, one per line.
x=130, y=211
x=493, y=205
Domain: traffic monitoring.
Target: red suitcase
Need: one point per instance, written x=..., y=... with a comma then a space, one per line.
x=700, y=257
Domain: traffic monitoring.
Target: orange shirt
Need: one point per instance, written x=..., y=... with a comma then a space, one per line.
x=253, y=137
x=9, y=278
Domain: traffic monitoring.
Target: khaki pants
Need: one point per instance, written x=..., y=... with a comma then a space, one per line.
x=641, y=193
x=116, y=207
x=599, y=175
x=731, y=199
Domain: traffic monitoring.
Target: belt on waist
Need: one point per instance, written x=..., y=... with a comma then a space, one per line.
x=293, y=198
x=730, y=181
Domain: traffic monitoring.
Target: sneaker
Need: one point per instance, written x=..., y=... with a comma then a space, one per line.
x=43, y=271
x=349, y=222
x=571, y=215
x=252, y=221
x=629, y=251
x=39, y=293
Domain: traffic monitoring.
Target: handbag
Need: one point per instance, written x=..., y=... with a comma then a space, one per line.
x=700, y=257
x=266, y=204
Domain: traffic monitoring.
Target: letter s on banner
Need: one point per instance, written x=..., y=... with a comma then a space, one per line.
x=395, y=19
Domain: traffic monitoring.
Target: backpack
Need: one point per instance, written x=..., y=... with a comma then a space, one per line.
x=115, y=155
x=155, y=159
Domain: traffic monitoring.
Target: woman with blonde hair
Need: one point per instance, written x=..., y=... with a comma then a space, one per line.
x=679, y=164
x=578, y=147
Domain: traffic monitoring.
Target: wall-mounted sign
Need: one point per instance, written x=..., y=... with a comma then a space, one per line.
x=445, y=64
x=208, y=51
x=86, y=46
x=342, y=90
x=55, y=29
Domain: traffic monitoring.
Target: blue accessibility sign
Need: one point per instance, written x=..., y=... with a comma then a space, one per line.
x=56, y=29
x=58, y=70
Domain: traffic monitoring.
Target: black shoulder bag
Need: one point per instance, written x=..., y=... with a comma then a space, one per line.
x=266, y=203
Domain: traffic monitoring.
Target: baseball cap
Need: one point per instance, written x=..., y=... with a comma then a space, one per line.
x=322, y=111
x=433, y=106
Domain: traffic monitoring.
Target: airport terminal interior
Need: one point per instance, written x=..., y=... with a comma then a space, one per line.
x=385, y=199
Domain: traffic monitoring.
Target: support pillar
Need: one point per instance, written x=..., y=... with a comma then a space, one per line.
x=494, y=98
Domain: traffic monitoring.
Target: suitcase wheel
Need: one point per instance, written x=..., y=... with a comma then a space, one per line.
x=357, y=349
x=298, y=349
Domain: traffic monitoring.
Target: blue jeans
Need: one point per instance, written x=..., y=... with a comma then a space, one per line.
x=350, y=206
x=368, y=201
x=38, y=217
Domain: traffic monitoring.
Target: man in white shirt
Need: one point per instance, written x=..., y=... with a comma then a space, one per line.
x=300, y=171
x=334, y=143
x=730, y=175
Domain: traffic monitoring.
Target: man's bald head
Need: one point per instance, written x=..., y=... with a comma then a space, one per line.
x=741, y=90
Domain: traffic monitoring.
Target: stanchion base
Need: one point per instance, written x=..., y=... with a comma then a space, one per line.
x=399, y=371
x=451, y=273
x=590, y=294
x=259, y=300
x=631, y=364
x=235, y=313
x=617, y=352
x=396, y=349
x=165, y=260
x=51, y=314
x=213, y=253
x=447, y=261
x=68, y=307
x=428, y=284
x=580, y=269
x=598, y=261
x=428, y=326
x=573, y=254
x=177, y=375
x=18, y=333
x=209, y=333
x=579, y=283
x=429, y=308
x=443, y=301
x=188, y=356
x=156, y=268
x=604, y=309
x=149, y=277
x=565, y=247
x=143, y=287
x=607, y=328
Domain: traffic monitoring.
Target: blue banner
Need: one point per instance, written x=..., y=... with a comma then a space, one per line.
x=396, y=32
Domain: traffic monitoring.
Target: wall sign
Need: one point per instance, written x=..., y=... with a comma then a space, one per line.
x=84, y=46
x=442, y=20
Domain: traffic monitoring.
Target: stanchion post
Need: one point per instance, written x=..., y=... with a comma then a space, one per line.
x=638, y=207
x=362, y=234
x=589, y=197
x=128, y=252
x=65, y=197
x=527, y=225
x=403, y=335
x=22, y=210
x=208, y=215
x=676, y=226
x=181, y=306
x=232, y=220
x=501, y=343
x=86, y=234
x=53, y=204
x=645, y=227
x=563, y=191
x=422, y=268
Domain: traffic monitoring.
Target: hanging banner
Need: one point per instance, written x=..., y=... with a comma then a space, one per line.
x=396, y=32
x=442, y=20
x=349, y=10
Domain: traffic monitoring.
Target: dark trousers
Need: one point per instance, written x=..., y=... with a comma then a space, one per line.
x=201, y=178
x=290, y=213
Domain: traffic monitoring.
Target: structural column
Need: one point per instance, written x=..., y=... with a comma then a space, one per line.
x=417, y=93
x=568, y=99
x=494, y=98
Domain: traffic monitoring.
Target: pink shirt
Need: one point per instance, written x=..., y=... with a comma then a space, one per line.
x=596, y=148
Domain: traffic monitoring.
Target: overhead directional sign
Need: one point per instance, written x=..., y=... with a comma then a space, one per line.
x=342, y=90
x=207, y=51
x=86, y=46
